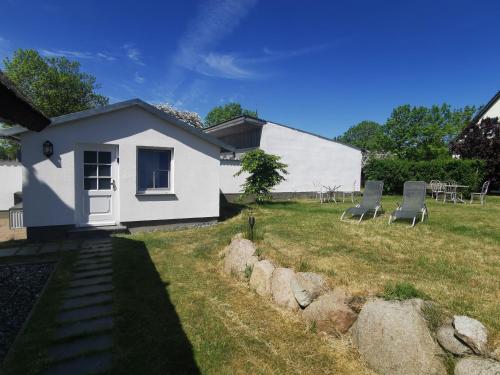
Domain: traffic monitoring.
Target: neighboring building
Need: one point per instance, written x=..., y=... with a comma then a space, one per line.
x=490, y=110
x=127, y=163
x=312, y=159
x=11, y=174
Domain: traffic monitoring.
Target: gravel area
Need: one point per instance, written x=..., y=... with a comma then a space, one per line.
x=20, y=287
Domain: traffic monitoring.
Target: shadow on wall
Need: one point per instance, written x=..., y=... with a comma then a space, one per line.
x=148, y=335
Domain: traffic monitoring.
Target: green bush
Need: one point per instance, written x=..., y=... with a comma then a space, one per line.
x=394, y=172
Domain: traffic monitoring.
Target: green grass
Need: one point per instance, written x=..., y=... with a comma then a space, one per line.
x=176, y=312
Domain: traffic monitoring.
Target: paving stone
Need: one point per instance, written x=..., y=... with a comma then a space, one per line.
x=70, y=245
x=94, y=255
x=86, y=290
x=92, y=267
x=50, y=247
x=91, y=281
x=98, y=362
x=8, y=252
x=86, y=327
x=80, y=346
x=84, y=275
x=92, y=243
x=93, y=261
x=72, y=303
x=84, y=313
x=28, y=250
x=96, y=250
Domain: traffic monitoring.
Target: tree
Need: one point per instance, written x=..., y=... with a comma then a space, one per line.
x=192, y=118
x=364, y=135
x=54, y=85
x=421, y=133
x=481, y=141
x=226, y=112
x=266, y=171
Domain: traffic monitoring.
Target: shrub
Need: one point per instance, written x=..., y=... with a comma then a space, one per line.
x=394, y=172
x=401, y=291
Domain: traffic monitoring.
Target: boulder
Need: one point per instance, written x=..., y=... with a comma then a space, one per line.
x=446, y=337
x=472, y=332
x=281, y=288
x=330, y=313
x=477, y=366
x=239, y=255
x=307, y=286
x=393, y=338
x=260, y=281
x=356, y=303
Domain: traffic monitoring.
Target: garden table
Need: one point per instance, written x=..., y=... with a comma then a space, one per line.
x=456, y=187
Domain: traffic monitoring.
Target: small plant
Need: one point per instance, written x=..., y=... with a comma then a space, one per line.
x=313, y=328
x=304, y=266
x=401, y=291
x=248, y=272
x=434, y=316
x=259, y=252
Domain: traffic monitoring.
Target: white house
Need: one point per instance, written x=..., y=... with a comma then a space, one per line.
x=127, y=163
x=312, y=159
x=11, y=175
x=490, y=110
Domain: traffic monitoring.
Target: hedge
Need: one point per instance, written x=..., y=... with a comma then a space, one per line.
x=394, y=172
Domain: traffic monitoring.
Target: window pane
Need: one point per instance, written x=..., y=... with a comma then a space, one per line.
x=153, y=167
x=89, y=170
x=105, y=157
x=90, y=156
x=90, y=183
x=104, y=183
x=104, y=170
x=161, y=179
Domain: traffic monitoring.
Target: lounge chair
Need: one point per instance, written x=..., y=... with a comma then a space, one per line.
x=413, y=202
x=370, y=202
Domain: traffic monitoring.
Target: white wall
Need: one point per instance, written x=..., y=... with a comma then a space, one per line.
x=11, y=181
x=49, y=184
x=493, y=112
x=309, y=158
x=228, y=182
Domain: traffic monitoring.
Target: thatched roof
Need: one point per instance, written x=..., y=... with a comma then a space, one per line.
x=17, y=109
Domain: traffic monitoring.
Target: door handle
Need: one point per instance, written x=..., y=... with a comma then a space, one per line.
x=113, y=183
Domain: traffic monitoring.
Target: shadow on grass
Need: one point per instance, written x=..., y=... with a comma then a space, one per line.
x=148, y=335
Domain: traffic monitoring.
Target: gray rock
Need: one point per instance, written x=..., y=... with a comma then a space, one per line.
x=307, y=286
x=330, y=313
x=260, y=281
x=393, y=338
x=477, y=366
x=446, y=337
x=472, y=332
x=281, y=288
x=239, y=255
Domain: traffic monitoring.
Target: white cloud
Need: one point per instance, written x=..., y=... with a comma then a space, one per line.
x=77, y=54
x=133, y=53
x=214, y=21
x=138, y=78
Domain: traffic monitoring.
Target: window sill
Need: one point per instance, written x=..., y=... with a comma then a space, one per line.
x=147, y=193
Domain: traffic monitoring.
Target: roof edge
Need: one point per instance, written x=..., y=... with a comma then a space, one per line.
x=487, y=106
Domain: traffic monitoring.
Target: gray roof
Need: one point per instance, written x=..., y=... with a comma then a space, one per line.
x=16, y=130
x=238, y=121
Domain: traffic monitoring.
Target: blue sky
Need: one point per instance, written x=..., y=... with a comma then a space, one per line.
x=318, y=65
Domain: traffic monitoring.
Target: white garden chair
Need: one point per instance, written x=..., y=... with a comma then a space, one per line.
x=482, y=194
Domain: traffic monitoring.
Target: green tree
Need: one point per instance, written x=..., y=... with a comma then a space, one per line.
x=54, y=85
x=420, y=133
x=226, y=112
x=265, y=172
x=364, y=135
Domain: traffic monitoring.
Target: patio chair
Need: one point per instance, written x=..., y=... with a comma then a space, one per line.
x=450, y=190
x=413, y=203
x=320, y=191
x=482, y=194
x=436, y=187
x=370, y=202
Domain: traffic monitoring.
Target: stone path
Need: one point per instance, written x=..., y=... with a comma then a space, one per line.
x=83, y=340
x=31, y=249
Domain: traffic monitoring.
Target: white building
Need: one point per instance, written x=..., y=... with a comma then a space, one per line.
x=312, y=159
x=11, y=182
x=127, y=163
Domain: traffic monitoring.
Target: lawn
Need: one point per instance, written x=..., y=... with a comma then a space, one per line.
x=177, y=308
x=175, y=312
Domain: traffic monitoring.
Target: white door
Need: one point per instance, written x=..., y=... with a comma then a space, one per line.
x=97, y=188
